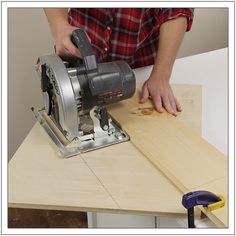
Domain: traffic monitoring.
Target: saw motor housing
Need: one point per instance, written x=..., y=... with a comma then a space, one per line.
x=76, y=94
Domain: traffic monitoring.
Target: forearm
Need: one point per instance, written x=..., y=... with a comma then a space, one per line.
x=157, y=86
x=171, y=36
x=57, y=18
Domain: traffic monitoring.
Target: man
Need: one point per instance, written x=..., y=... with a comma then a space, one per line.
x=140, y=36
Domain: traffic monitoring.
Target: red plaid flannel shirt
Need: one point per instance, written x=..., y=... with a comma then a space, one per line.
x=129, y=34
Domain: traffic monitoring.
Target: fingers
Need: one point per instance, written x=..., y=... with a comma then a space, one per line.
x=145, y=94
x=157, y=100
x=64, y=47
x=72, y=49
x=162, y=97
x=174, y=105
x=178, y=106
x=67, y=49
x=169, y=105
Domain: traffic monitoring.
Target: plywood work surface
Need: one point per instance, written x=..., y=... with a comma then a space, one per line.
x=117, y=178
x=180, y=153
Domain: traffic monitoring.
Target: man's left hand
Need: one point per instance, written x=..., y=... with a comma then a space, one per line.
x=159, y=90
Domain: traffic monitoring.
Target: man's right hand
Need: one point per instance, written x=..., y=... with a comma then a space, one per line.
x=64, y=47
x=62, y=31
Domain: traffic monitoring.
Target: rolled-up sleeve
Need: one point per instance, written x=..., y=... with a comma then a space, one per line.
x=165, y=14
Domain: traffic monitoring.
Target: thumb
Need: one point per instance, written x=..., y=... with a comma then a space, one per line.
x=145, y=93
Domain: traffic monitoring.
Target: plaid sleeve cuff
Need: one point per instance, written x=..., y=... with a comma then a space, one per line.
x=166, y=14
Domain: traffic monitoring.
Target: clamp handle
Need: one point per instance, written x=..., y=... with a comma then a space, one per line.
x=207, y=199
x=196, y=198
x=81, y=41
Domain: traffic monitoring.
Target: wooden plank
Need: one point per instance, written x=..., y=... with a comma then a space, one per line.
x=190, y=98
x=113, y=179
x=180, y=153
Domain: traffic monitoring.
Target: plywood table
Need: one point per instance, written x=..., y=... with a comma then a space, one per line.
x=120, y=178
x=117, y=178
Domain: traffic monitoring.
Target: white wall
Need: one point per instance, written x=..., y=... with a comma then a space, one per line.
x=29, y=37
x=209, y=32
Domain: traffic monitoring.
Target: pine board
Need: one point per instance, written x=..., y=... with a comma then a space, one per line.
x=180, y=153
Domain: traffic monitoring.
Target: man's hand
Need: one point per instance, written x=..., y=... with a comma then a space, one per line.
x=62, y=31
x=158, y=88
x=64, y=47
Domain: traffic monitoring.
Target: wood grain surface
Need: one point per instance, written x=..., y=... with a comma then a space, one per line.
x=181, y=154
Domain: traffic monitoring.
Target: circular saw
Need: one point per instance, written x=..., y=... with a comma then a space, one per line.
x=75, y=97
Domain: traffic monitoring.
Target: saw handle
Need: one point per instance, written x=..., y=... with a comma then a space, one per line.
x=81, y=41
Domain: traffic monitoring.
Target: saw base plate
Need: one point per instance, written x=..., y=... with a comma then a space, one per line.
x=67, y=149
